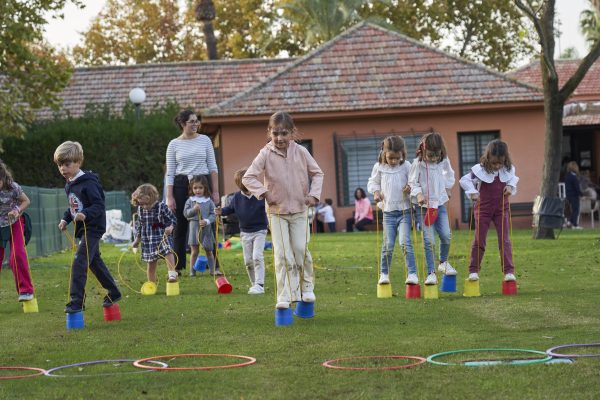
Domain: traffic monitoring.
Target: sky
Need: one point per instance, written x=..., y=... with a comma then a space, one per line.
x=66, y=34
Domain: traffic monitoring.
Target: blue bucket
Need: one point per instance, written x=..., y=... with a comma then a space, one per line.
x=75, y=320
x=449, y=283
x=305, y=310
x=201, y=264
x=284, y=317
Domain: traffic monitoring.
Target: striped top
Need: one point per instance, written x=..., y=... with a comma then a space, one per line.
x=190, y=157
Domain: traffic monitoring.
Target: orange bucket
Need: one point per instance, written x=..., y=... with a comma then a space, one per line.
x=223, y=285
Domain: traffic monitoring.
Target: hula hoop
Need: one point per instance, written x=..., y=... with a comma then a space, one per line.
x=475, y=363
x=250, y=361
x=39, y=372
x=329, y=363
x=51, y=370
x=551, y=352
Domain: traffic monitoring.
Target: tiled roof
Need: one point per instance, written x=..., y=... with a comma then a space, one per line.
x=582, y=119
x=369, y=68
x=588, y=88
x=197, y=85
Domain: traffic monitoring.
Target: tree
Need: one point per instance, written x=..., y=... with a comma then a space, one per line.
x=32, y=73
x=205, y=12
x=570, y=53
x=542, y=15
x=589, y=23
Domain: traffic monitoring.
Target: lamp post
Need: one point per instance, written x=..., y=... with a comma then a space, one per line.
x=137, y=97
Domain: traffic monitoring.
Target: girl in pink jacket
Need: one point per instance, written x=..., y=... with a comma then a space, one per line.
x=292, y=182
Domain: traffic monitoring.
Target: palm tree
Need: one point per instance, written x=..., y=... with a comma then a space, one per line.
x=205, y=12
x=589, y=23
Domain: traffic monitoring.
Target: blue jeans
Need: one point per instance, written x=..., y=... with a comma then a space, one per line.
x=442, y=227
x=397, y=223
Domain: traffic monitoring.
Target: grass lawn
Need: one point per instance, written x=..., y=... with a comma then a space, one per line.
x=558, y=303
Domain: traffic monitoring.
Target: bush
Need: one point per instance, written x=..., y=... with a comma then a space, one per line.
x=122, y=150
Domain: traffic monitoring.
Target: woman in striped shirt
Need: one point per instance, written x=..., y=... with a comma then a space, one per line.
x=188, y=155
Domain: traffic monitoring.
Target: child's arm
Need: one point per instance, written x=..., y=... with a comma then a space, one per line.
x=316, y=182
x=413, y=181
x=448, y=174
x=511, y=185
x=167, y=218
x=96, y=206
x=374, y=183
x=468, y=183
x=23, y=203
x=188, y=209
x=250, y=178
x=210, y=218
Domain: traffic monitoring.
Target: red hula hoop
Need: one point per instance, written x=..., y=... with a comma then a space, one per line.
x=329, y=363
x=138, y=363
x=39, y=370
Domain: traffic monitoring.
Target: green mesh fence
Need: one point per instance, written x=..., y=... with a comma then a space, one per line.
x=46, y=210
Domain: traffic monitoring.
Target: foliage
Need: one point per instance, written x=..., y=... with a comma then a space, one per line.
x=31, y=72
x=570, y=53
x=122, y=150
x=589, y=23
x=557, y=303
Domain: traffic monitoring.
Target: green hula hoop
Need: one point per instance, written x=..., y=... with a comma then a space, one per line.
x=546, y=358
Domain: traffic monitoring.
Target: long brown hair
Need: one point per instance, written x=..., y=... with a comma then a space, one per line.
x=495, y=148
x=432, y=142
x=5, y=177
x=201, y=179
x=395, y=144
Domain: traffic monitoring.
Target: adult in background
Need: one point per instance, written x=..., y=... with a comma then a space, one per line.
x=573, y=191
x=189, y=154
x=363, y=212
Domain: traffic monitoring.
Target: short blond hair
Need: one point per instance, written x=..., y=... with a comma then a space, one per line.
x=237, y=178
x=145, y=191
x=68, y=152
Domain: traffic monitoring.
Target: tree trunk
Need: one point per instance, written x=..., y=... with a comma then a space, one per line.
x=211, y=41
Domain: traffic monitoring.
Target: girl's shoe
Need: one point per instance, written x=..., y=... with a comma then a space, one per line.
x=26, y=296
x=446, y=269
x=412, y=279
x=473, y=276
x=431, y=279
x=172, y=276
x=384, y=279
x=282, y=305
x=509, y=277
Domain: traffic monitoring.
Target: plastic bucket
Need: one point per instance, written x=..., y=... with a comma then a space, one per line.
x=283, y=317
x=172, y=288
x=449, y=283
x=200, y=264
x=148, y=288
x=305, y=310
x=30, y=306
x=509, y=288
x=112, y=313
x=223, y=285
x=431, y=292
x=384, y=291
x=413, y=291
x=471, y=289
x=75, y=320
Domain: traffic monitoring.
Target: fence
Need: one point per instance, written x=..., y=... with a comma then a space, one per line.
x=46, y=210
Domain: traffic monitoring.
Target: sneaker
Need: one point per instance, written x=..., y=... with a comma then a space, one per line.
x=431, y=279
x=576, y=228
x=384, y=279
x=70, y=309
x=172, y=277
x=25, y=296
x=282, y=305
x=308, y=297
x=509, y=277
x=412, y=279
x=256, y=289
x=109, y=301
x=446, y=269
x=192, y=273
x=473, y=276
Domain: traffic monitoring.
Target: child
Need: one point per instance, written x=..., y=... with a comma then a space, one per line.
x=253, y=231
x=153, y=229
x=389, y=183
x=431, y=178
x=88, y=213
x=326, y=213
x=287, y=167
x=12, y=228
x=200, y=212
x=573, y=193
x=488, y=185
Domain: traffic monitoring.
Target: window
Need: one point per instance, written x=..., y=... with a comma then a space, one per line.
x=471, y=147
x=355, y=157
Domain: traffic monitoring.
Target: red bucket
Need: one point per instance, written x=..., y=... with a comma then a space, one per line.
x=509, y=288
x=413, y=291
x=223, y=285
x=112, y=313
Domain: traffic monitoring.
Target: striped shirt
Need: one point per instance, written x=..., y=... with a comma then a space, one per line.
x=190, y=157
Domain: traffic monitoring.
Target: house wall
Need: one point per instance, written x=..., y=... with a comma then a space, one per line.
x=523, y=130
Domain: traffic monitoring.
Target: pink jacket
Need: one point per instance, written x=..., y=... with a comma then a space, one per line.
x=363, y=209
x=286, y=177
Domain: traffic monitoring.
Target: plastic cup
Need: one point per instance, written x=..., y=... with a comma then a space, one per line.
x=201, y=264
x=305, y=310
x=413, y=291
x=75, y=320
x=283, y=317
x=172, y=288
x=384, y=291
x=509, y=288
x=112, y=313
x=431, y=292
x=30, y=306
x=449, y=283
x=471, y=289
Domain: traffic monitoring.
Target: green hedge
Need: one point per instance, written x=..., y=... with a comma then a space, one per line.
x=122, y=150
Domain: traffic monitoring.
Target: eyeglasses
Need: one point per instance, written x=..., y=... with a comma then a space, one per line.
x=193, y=122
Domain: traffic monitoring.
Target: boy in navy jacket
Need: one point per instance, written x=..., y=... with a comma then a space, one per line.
x=87, y=212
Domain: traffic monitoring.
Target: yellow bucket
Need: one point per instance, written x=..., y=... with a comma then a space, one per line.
x=148, y=288
x=172, y=288
x=384, y=291
x=431, y=292
x=30, y=306
x=471, y=289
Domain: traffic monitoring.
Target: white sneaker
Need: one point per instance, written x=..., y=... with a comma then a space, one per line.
x=384, y=278
x=509, y=277
x=446, y=269
x=308, y=297
x=431, y=279
x=473, y=276
x=576, y=227
x=412, y=279
x=282, y=305
x=256, y=289
x=26, y=297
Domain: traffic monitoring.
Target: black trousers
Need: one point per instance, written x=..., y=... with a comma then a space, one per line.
x=79, y=268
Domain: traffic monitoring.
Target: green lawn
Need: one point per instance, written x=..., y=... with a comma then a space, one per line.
x=558, y=303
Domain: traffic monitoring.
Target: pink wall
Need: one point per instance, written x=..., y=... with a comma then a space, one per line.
x=523, y=130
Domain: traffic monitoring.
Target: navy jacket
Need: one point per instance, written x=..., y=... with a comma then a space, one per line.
x=87, y=197
x=572, y=187
x=250, y=212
